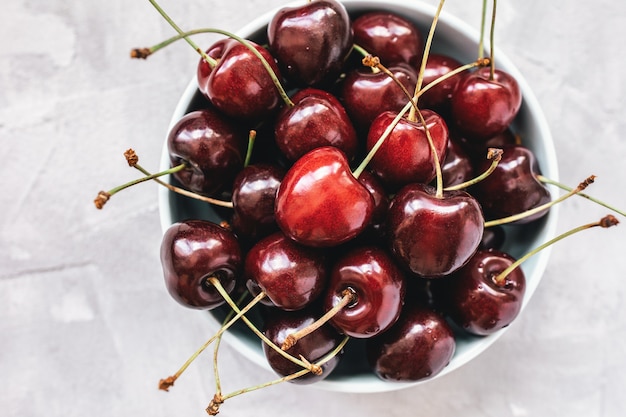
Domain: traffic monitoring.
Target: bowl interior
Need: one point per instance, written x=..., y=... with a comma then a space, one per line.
x=455, y=38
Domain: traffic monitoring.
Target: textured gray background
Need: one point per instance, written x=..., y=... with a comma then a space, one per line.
x=86, y=327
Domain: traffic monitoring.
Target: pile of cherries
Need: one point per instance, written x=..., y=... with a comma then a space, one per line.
x=346, y=167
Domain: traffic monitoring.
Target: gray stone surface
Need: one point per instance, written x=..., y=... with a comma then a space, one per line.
x=86, y=327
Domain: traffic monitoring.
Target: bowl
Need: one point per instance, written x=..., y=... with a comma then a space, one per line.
x=458, y=39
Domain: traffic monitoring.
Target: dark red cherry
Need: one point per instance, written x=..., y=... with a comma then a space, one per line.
x=513, y=187
x=483, y=106
x=457, y=166
x=433, y=236
x=366, y=94
x=419, y=346
x=279, y=324
x=390, y=37
x=291, y=275
x=194, y=251
x=378, y=287
x=405, y=156
x=475, y=300
x=254, y=195
x=493, y=238
x=477, y=150
x=316, y=119
x=239, y=85
x=381, y=202
x=320, y=203
x=438, y=96
x=311, y=41
x=211, y=146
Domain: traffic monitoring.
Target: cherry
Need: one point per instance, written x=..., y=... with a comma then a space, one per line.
x=512, y=187
x=320, y=202
x=381, y=203
x=366, y=93
x=311, y=41
x=193, y=252
x=405, y=156
x=484, y=103
x=438, y=97
x=253, y=197
x=211, y=147
x=475, y=300
x=390, y=37
x=457, y=166
x=278, y=324
x=493, y=238
x=291, y=275
x=377, y=286
x=417, y=347
x=237, y=83
x=315, y=119
x=432, y=235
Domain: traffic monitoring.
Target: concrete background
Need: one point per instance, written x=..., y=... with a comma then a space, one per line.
x=86, y=327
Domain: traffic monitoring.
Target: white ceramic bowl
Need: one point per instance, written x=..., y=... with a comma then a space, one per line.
x=459, y=40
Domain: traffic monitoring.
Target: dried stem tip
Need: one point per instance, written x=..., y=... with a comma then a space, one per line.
x=214, y=406
x=140, y=53
x=131, y=157
x=166, y=383
x=101, y=199
x=371, y=61
x=608, y=221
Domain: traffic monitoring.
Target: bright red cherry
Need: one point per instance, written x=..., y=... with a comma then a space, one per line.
x=484, y=106
x=320, y=203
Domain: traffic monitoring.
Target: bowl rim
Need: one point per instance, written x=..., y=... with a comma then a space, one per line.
x=549, y=166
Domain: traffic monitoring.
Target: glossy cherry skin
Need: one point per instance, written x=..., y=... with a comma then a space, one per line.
x=438, y=96
x=483, y=107
x=193, y=251
x=433, y=236
x=320, y=203
x=475, y=301
x=279, y=324
x=390, y=37
x=513, y=187
x=366, y=94
x=316, y=119
x=378, y=287
x=211, y=146
x=291, y=275
x=419, y=346
x=405, y=156
x=381, y=203
x=457, y=167
x=253, y=198
x=239, y=85
x=311, y=41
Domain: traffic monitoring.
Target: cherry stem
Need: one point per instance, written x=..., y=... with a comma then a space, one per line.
x=431, y=143
x=365, y=54
x=483, y=19
x=491, y=40
x=104, y=196
x=218, y=286
x=213, y=407
x=133, y=161
x=251, y=140
x=169, y=20
x=429, y=41
x=412, y=103
x=588, y=181
x=495, y=156
x=607, y=221
x=588, y=197
x=211, y=61
x=348, y=296
x=166, y=383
